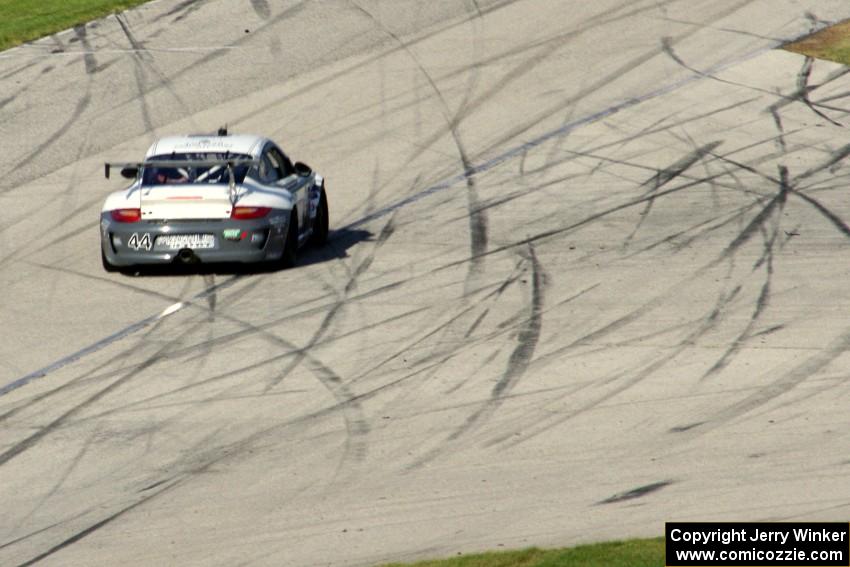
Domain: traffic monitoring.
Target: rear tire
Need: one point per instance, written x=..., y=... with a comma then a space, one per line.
x=320, y=223
x=290, y=247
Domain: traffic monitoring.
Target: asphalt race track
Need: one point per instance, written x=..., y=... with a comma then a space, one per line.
x=588, y=273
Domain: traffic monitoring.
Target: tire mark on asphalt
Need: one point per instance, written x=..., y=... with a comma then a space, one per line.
x=82, y=106
x=665, y=176
x=835, y=158
x=477, y=216
x=517, y=364
x=30, y=441
x=222, y=454
x=139, y=59
x=777, y=119
x=757, y=224
x=517, y=151
x=182, y=10
x=261, y=7
x=598, y=85
x=453, y=321
x=763, y=299
x=88, y=57
x=783, y=384
x=356, y=424
x=61, y=481
x=627, y=379
x=803, y=90
x=336, y=308
x=635, y=493
x=102, y=523
x=549, y=47
x=117, y=336
x=40, y=531
x=293, y=351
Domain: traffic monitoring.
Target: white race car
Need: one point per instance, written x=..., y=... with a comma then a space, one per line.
x=213, y=198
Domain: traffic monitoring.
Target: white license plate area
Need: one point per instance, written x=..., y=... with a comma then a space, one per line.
x=179, y=241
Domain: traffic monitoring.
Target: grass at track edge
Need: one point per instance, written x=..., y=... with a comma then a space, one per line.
x=832, y=44
x=27, y=20
x=630, y=553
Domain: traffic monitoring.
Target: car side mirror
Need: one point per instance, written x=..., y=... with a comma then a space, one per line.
x=302, y=169
x=130, y=172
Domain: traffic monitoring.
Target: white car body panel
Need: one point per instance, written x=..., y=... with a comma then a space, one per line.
x=125, y=199
x=236, y=144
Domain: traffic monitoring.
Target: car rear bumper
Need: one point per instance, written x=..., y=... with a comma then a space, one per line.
x=206, y=241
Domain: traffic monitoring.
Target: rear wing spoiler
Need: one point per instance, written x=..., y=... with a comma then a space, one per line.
x=230, y=163
x=131, y=170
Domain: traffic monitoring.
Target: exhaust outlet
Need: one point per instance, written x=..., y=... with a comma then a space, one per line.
x=187, y=256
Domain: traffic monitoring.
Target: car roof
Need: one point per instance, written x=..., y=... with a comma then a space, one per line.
x=236, y=144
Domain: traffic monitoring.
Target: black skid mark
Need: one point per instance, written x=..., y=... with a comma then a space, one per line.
x=777, y=119
x=763, y=299
x=629, y=379
x=143, y=58
x=529, y=336
x=836, y=221
x=98, y=525
x=88, y=57
x=414, y=344
x=30, y=441
x=138, y=48
x=476, y=323
x=683, y=428
x=182, y=9
x=153, y=320
x=837, y=157
x=803, y=89
x=212, y=298
x=356, y=424
x=290, y=350
x=47, y=528
x=139, y=56
x=72, y=466
x=81, y=107
x=581, y=223
x=337, y=307
x=517, y=365
x=781, y=385
x=757, y=223
x=665, y=176
x=262, y=8
x=477, y=216
x=634, y=493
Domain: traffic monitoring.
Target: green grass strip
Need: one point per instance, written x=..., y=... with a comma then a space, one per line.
x=25, y=20
x=631, y=553
x=832, y=43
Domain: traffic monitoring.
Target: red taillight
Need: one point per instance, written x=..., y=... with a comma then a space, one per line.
x=245, y=213
x=126, y=215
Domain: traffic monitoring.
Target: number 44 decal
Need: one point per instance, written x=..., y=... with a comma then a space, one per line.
x=137, y=242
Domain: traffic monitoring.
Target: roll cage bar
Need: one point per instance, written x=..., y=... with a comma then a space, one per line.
x=134, y=168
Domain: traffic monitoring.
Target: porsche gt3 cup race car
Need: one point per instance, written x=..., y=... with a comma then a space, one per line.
x=212, y=198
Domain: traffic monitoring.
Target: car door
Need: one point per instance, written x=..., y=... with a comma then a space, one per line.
x=297, y=185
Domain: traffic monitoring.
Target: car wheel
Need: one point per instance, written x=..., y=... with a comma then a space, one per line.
x=320, y=224
x=290, y=247
x=106, y=265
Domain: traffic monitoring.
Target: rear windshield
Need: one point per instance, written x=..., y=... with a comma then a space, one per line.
x=182, y=175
